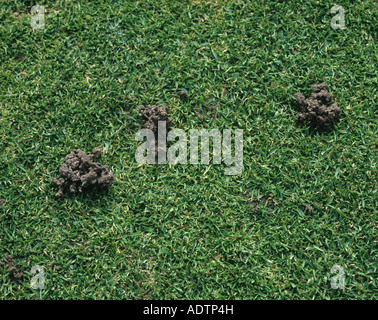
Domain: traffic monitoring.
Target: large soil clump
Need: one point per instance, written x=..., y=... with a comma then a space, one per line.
x=80, y=173
x=318, y=110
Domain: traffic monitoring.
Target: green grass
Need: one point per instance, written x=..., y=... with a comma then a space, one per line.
x=189, y=231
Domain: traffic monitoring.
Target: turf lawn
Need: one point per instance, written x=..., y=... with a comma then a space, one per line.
x=189, y=231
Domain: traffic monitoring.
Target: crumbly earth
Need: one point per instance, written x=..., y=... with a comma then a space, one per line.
x=261, y=202
x=11, y=266
x=152, y=115
x=80, y=173
x=318, y=109
x=209, y=112
x=182, y=94
x=307, y=209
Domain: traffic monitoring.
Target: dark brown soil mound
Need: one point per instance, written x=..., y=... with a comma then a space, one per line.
x=152, y=115
x=80, y=173
x=318, y=109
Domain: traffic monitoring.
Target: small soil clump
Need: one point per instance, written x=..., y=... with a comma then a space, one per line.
x=318, y=109
x=182, y=94
x=152, y=115
x=80, y=173
x=261, y=202
x=208, y=112
x=12, y=268
x=307, y=209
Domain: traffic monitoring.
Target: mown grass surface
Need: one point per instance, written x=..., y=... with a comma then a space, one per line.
x=189, y=231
